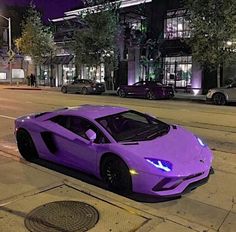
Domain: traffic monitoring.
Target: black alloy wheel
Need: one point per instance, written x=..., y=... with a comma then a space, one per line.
x=26, y=145
x=219, y=99
x=84, y=91
x=122, y=93
x=150, y=95
x=64, y=89
x=116, y=174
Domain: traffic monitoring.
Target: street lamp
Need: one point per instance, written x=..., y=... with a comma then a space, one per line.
x=9, y=45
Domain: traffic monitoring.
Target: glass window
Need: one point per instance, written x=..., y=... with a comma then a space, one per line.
x=133, y=126
x=79, y=126
x=176, y=25
x=139, y=83
x=178, y=71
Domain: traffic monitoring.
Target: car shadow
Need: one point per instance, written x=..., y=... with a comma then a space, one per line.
x=89, y=179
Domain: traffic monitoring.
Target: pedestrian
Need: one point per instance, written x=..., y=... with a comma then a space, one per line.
x=31, y=80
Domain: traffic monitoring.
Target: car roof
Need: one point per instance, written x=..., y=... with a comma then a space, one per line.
x=92, y=111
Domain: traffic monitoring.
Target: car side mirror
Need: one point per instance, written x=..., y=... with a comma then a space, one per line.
x=91, y=135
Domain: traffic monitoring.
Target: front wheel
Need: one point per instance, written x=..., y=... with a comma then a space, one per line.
x=26, y=145
x=121, y=93
x=64, y=89
x=219, y=99
x=116, y=174
x=84, y=91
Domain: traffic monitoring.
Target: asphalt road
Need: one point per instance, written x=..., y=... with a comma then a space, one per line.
x=212, y=205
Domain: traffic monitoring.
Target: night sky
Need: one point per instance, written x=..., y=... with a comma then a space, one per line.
x=50, y=8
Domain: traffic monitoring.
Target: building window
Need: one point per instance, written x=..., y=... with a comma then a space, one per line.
x=176, y=24
x=178, y=71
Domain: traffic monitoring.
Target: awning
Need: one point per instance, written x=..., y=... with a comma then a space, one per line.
x=58, y=60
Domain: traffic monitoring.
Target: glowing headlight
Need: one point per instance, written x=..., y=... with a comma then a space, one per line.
x=201, y=142
x=160, y=164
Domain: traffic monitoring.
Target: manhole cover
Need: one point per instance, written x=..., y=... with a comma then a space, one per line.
x=63, y=216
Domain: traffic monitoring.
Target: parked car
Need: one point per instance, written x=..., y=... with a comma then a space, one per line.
x=128, y=150
x=148, y=89
x=223, y=95
x=83, y=86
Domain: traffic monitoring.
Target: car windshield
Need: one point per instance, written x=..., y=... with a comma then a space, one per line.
x=132, y=126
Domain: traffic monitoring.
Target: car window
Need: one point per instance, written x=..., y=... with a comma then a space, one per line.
x=233, y=85
x=79, y=126
x=139, y=83
x=133, y=126
x=75, y=81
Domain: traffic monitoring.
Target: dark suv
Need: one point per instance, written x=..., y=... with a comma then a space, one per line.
x=83, y=86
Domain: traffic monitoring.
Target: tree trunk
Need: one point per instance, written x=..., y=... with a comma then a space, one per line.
x=218, y=76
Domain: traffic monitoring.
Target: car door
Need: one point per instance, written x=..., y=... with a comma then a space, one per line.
x=74, y=86
x=138, y=88
x=74, y=148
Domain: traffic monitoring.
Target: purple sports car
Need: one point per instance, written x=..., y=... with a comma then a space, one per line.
x=148, y=89
x=129, y=150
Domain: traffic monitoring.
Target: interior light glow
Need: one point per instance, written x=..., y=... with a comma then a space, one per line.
x=196, y=91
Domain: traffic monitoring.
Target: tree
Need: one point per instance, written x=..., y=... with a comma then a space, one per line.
x=96, y=41
x=36, y=39
x=213, y=32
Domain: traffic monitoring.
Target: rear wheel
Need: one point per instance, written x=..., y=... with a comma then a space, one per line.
x=219, y=99
x=150, y=95
x=116, y=174
x=26, y=145
x=85, y=91
x=64, y=89
x=122, y=93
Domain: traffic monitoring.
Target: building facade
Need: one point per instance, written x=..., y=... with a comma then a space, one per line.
x=152, y=45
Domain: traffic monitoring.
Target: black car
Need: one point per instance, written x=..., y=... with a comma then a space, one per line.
x=84, y=86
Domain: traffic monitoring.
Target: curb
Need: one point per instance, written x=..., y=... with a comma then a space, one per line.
x=22, y=88
x=154, y=216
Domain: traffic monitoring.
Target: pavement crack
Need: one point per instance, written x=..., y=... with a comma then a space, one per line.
x=227, y=214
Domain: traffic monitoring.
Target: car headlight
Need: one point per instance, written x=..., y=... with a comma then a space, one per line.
x=160, y=164
x=200, y=142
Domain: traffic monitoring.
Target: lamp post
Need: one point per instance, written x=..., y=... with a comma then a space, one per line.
x=9, y=45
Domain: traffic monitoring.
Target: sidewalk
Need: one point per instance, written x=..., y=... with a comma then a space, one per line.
x=178, y=95
x=26, y=186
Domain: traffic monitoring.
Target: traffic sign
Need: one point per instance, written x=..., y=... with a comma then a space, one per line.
x=11, y=54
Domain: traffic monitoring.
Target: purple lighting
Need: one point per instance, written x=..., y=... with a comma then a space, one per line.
x=50, y=9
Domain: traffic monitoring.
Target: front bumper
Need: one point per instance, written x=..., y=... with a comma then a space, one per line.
x=97, y=90
x=168, y=187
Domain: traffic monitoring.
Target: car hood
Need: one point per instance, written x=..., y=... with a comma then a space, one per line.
x=179, y=147
x=220, y=88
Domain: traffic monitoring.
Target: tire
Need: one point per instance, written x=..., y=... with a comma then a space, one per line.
x=84, y=91
x=219, y=99
x=115, y=174
x=121, y=93
x=64, y=89
x=150, y=95
x=26, y=145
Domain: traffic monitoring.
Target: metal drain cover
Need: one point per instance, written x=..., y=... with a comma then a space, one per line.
x=62, y=216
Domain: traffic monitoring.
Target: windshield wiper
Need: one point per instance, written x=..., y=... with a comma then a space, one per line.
x=159, y=132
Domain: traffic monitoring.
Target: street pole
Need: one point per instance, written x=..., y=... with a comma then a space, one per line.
x=9, y=38
x=9, y=46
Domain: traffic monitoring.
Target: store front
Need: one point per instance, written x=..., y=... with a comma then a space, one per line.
x=56, y=71
x=178, y=71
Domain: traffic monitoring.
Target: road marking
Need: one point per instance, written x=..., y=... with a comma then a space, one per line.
x=8, y=117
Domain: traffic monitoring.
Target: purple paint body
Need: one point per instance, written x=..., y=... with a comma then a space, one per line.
x=148, y=89
x=166, y=160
